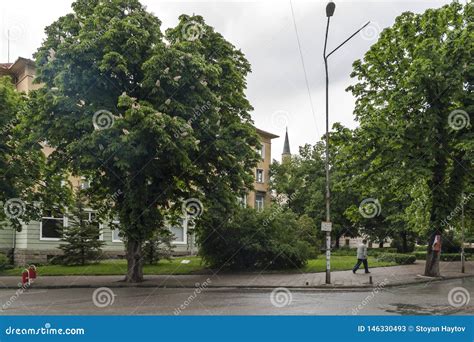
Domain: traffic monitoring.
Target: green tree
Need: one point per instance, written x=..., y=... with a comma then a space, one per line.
x=82, y=236
x=158, y=247
x=414, y=102
x=152, y=118
x=22, y=165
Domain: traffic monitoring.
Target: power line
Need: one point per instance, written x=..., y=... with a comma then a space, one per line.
x=304, y=68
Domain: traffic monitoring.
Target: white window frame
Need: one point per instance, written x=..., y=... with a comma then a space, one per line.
x=261, y=151
x=101, y=226
x=65, y=222
x=263, y=176
x=243, y=200
x=185, y=234
x=84, y=183
x=116, y=222
x=263, y=201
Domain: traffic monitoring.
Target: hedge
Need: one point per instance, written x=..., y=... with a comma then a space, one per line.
x=401, y=259
x=344, y=251
x=444, y=256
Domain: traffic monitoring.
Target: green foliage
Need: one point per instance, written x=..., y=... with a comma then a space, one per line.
x=156, y=117
x=270, y=239
x=409, y=86
x=403, y=246
x=451, y=242
x=4, y=261
x=401, y=259
x=82, y=235
x=158, y=247
x=21, y=162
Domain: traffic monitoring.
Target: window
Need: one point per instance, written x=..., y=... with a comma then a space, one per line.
x=261, y=151
x=116, y=232
x=259, y=201
x=179, y=231
x=348, y=242
x=84, y=183
x=91, y=217
x=259, y=176
x=242, y=200
x=51, y=226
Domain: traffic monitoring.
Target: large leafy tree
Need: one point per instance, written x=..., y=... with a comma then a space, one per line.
x=151, y=118
x=22, y=165
x=414, y=103
x=300, y=181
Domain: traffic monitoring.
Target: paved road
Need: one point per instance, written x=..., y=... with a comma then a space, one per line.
x=421, y=299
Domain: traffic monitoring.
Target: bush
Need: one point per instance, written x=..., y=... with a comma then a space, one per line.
x=454, y=256
x=421, y=248
x=345, y=251
x=397, y=243
x=401, y=259
x=271, y=239
x=420, y=255
x=158, y=247
x=4, y=261
x=450, y=243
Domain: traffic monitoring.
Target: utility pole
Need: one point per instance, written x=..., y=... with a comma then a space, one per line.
x=327, y=226
x=462, y=234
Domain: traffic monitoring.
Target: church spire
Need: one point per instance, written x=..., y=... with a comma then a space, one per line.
x=286, y=147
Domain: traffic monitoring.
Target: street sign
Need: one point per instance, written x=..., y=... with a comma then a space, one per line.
x=326, y=226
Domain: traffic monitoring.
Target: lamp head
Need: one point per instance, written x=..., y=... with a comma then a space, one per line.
x=330, y=8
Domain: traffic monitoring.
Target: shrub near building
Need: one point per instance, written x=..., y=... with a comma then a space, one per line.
x=270, y=239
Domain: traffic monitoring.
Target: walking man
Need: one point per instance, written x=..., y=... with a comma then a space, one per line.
x=361, y=257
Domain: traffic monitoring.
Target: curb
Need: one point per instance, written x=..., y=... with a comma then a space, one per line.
x=246, y=287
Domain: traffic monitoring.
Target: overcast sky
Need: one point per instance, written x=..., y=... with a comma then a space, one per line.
x=265, y=32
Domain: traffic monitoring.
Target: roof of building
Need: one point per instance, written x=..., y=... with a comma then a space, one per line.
x=266, y=134
x=286, y=145
x=11, y=68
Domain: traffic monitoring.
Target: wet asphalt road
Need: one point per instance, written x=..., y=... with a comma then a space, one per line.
x=422, y=299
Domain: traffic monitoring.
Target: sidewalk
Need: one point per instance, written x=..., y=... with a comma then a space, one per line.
x=381, y=276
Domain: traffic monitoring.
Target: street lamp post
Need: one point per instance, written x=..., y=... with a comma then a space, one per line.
x=462, y=238
x=330, y=8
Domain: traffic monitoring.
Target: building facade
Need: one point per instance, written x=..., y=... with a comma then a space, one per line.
x=38, y=241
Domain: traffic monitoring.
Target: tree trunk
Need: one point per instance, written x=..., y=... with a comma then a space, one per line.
x=404, y=242
x=432, y=259
x=381, y=244
x=134, y=262
x=439, y=196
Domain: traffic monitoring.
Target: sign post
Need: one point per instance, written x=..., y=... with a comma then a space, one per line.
x=327, y=227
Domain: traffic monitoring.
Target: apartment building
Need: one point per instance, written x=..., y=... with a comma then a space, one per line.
x=38, y=241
